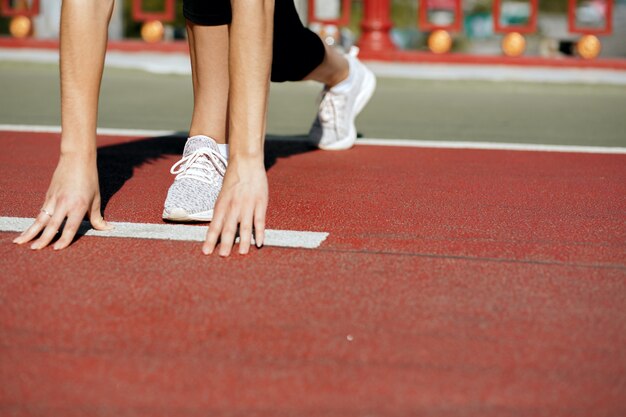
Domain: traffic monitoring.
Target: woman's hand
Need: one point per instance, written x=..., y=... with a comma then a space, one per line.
x=242, y=202
x=73, y=193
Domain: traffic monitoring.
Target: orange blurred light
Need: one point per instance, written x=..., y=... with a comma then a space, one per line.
x=152, y=31
x=589, y=47
x=440, y=42
x=513, y=44
x=20, y=27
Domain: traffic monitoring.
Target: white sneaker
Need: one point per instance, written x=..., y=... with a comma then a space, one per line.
x=333, y=128
x=199, y=178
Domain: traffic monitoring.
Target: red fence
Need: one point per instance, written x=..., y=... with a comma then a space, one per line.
x=452, y=6
x=166, y=15
x=529, y=27
x=608, y=13
x=20, y=8
x=376, y=23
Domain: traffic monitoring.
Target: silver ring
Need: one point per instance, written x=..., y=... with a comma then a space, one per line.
x=46, y=212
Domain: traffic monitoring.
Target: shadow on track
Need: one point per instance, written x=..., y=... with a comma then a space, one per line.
x=116, y=163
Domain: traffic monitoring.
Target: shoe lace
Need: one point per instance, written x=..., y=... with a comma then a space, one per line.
x=200, y=165
x=331, y=105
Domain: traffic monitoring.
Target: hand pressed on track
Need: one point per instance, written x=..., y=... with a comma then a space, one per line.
x=242, y=202
x=73, y=193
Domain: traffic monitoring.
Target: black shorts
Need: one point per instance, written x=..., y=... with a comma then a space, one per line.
x=297, y=51
x=208, y=12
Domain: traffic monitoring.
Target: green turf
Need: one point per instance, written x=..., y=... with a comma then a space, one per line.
x=431, y=110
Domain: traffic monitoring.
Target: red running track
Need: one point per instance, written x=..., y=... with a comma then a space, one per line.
x=453, y=283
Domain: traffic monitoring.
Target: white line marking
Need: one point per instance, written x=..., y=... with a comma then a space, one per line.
x=412, y=143
x=404, y=143
x=498, y=73
x=180, y=232
x=101, y=130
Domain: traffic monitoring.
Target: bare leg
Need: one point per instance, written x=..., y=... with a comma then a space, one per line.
x=243, y=199
x=208, y=46
x=332, y=70
x=83, y=47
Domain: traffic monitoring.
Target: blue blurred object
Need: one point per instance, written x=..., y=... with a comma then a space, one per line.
x=478, y=25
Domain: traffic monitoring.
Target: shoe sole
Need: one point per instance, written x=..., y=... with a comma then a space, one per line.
x=364, y=96
x=180, y=215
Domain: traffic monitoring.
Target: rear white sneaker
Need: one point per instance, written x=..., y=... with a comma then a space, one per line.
x=199, y=177
x=333, y=128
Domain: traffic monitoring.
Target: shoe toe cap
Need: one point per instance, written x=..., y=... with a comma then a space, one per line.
x=175, y=213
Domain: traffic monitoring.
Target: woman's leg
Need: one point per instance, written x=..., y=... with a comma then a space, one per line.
x=74, y=189
x=242, y=202
x=200, y=172
x=208, y=46
x=333, y=69
x=299, y=54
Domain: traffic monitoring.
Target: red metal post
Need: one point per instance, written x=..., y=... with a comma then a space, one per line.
x=376, y=26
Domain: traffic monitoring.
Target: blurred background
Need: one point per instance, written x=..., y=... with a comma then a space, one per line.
x=549, y=28
x=514, y=71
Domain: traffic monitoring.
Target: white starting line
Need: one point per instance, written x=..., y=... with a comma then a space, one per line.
x=179, y=232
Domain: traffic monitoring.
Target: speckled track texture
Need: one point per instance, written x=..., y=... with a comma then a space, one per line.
x=453, y=283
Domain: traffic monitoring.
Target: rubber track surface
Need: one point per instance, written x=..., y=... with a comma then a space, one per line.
x=453, y=283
